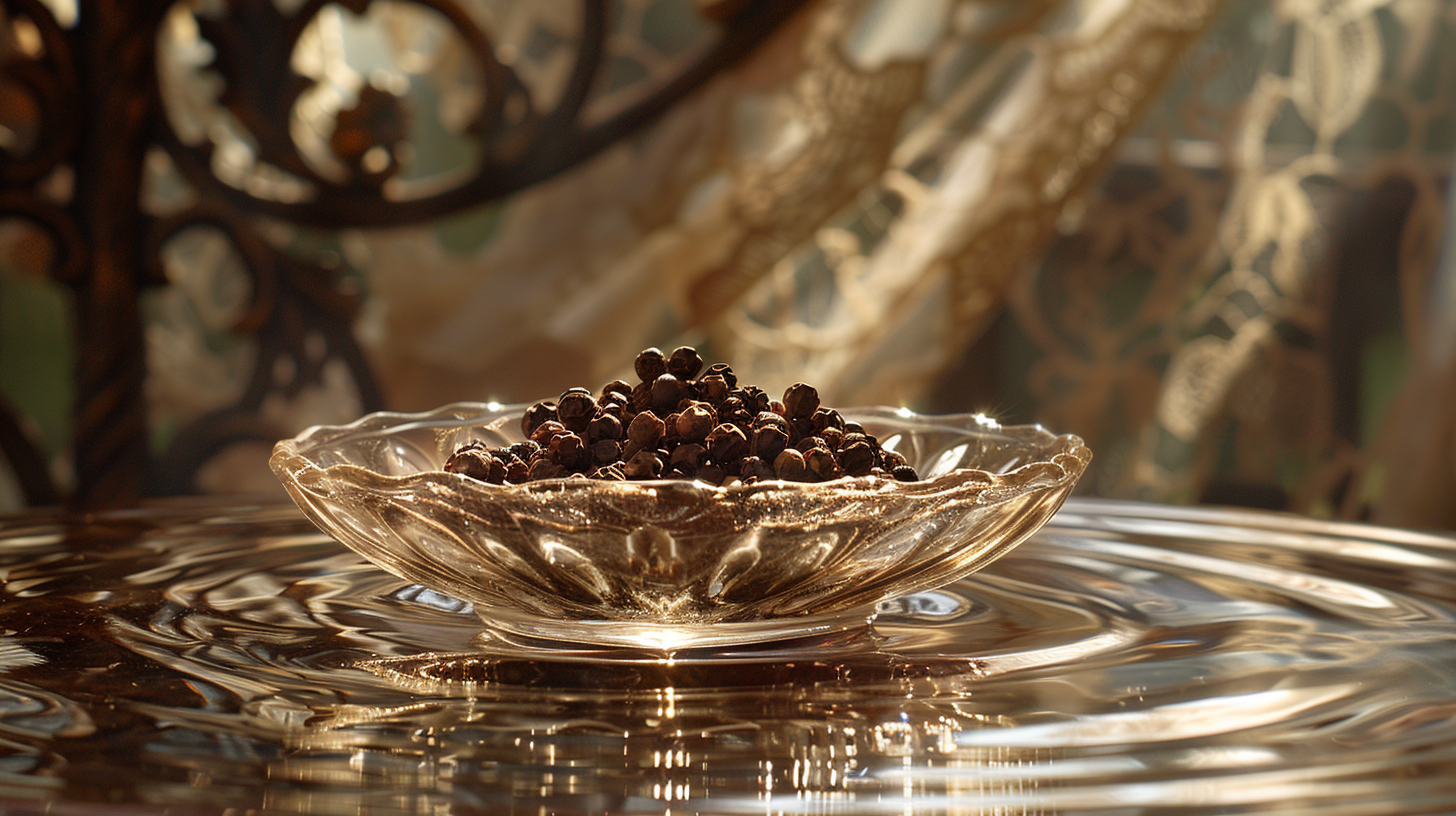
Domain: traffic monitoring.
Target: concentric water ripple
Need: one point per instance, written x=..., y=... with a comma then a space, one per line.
x=1129, y=659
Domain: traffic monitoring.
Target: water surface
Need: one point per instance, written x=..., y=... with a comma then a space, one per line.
x=1128, y=659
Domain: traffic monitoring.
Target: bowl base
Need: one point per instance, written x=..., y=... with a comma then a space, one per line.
x=507, y=628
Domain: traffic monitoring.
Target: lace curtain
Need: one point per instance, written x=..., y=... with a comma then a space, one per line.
x=1205, y=235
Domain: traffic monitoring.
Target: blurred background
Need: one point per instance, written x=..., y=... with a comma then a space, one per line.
x=1210, y=237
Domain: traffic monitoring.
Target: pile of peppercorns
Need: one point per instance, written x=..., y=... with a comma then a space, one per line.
x=683, y=422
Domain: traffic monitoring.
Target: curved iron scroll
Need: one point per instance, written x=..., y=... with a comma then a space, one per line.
x=99, y=111
x=520, y=146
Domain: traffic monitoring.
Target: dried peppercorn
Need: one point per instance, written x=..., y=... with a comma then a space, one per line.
x=650, y=365
x=696, y=421
x=769, y=441
x=857, y=458
x=472, y=460
x=684, y=363
x=646, y=429
x=604, y=426
x=537, y=414
x=606, y=451
x=790, y=466
x=725, y=371
x=755, y=469
x=546, y=431
x=569, y=451
x=905, y=473
x=688, y=457
x=683, y=421
x=575, y=409
x=712, y=389
x=821, y=463
x=667, y=392
x=643, y=465
x=727, y=443
x=801, y=400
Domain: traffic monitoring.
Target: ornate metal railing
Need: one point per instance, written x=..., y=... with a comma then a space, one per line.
x=97, y=111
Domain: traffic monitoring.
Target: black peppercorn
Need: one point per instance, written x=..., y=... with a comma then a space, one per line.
x=644, y=465
x=641, y=399
x=606, y=451
x=801, y=400
x=537, y=414
x=755, y=398
x=646, y=429
x=827, y=418
x=650, y=365
x=756, y=469
x=832, y=437
x=857, y=458
x=708, y=427
x=470, y=461
x=790, y=467
x=621, y=387
x=821, y=463
x=905, y=473
x=546, y=431
x=667, y=392
x=733, y=410
x=727, y=443
x=604, y=426
x=575, y=409
x=569, y=451
x=712, y=389
x=696, y=421
x=684, y=363
x=725, y=371
x=544, y=468
x=769, y=441
x=687, y=457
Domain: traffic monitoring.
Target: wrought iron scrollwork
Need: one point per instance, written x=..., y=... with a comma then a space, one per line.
x=99, y=110
x=519, y=145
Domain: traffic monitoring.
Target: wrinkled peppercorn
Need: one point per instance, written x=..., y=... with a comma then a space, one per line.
x=905, y=473
x=643, y=465
x=471, y=460
x=575, y=409
x=696, y=421
x=604, y=426
x=683, y=421
x=801, y=400
x=684, y=363
x=537, y=414
x=646, y=429
x=650, y=365
x=789, y=466
x=667, y=392
x=769, y=441
x=727, y=443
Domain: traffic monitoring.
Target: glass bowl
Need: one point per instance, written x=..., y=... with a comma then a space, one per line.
x=670, y=564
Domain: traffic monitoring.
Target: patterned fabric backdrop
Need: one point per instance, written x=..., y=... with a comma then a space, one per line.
x=1205, y=235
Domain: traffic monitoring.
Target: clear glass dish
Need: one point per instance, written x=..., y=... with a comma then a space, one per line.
x=671, y=564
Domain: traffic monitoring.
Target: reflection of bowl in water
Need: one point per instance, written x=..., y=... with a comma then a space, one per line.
x=674, y=562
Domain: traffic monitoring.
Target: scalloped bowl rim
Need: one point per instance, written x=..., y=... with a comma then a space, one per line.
x=1067, y=452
